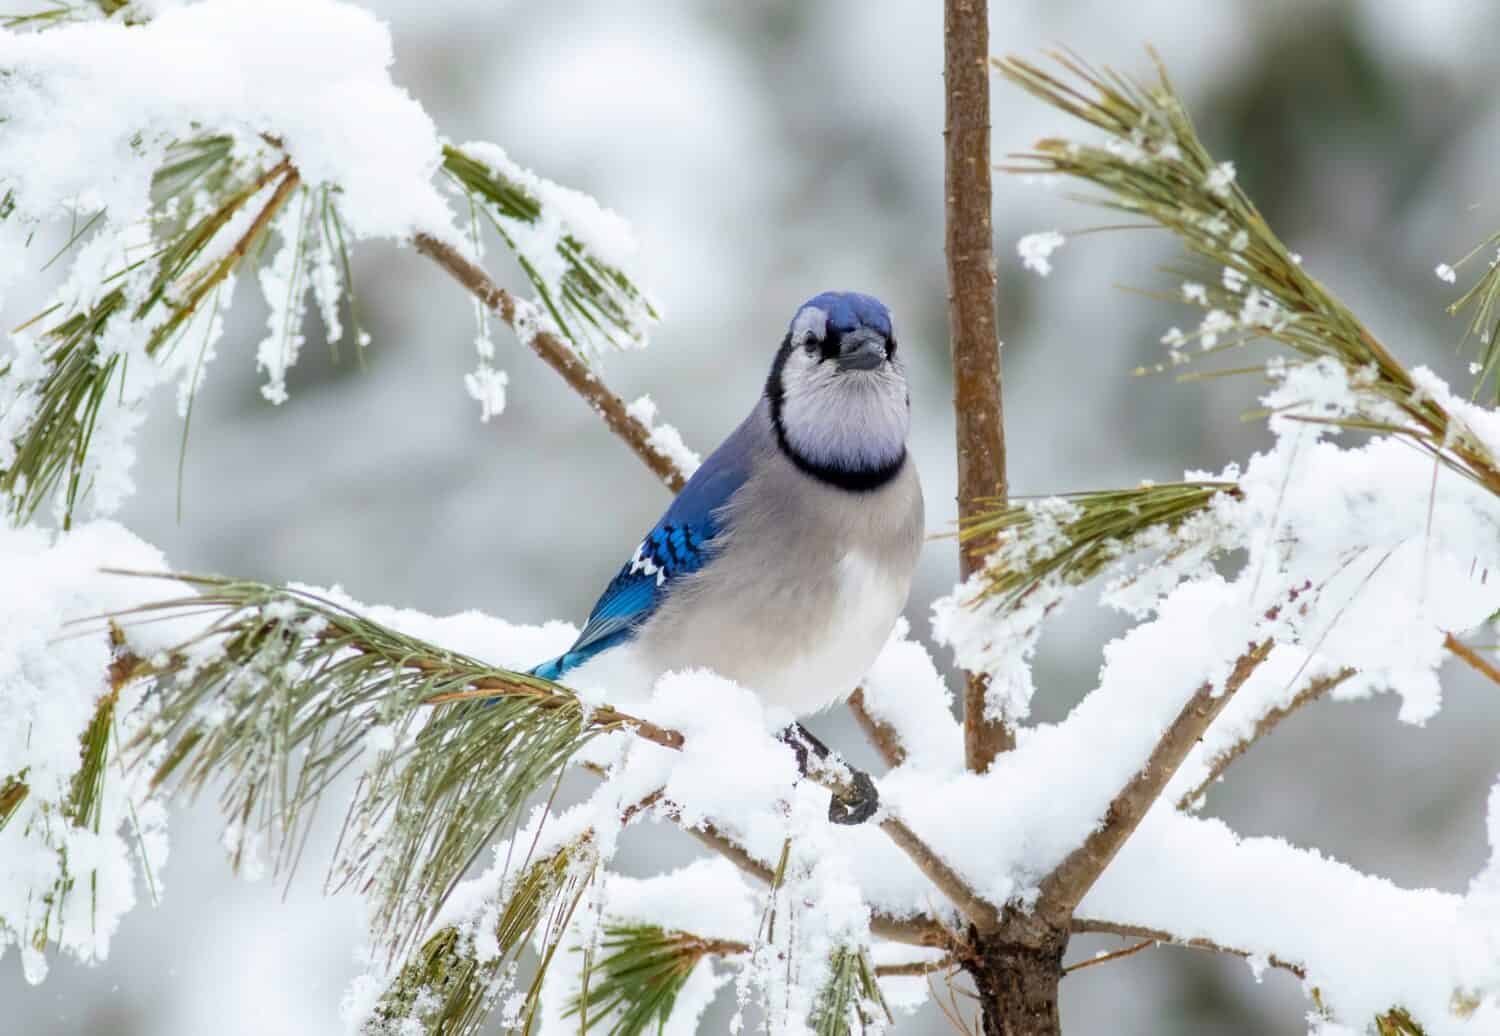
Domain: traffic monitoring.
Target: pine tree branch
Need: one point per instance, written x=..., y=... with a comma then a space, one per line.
x=1065, y=887
x=915, y=968
x=968, y=245
x=557, y=354
x=881, y=735
x=1082, y=925
x=1314, y=690
x=1472, y=658
x=1104, y=958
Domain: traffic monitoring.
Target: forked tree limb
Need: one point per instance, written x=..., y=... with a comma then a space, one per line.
x=1314, y=690
x=1065, y=887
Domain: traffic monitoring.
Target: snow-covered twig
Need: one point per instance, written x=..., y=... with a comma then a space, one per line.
x=557, y=355
x=1472, y=658
x=881, y=735
x=1084, y=925
x=1222, y=760
x=1065, y=887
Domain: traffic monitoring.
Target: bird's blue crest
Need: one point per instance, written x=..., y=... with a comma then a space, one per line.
x=849, y=310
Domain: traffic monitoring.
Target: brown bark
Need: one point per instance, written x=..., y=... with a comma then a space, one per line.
x=1017, y=982
x=1015, y=961
x=971, y=312
x=559, y=356
x=1065, y=887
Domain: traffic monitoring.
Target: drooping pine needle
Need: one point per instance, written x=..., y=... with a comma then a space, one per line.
x=1152, y=165
x=634, y=985
x=1075, y=536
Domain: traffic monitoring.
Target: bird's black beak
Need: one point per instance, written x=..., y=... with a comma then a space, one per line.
x=861, y=351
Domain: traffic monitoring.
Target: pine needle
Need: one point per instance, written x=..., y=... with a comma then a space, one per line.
x=282, y=692
x=1153, y=166
x=448, y=987
x=1073, y=537
x=78, y=376
x=593, y=300
x=850, y=997
x=635, y=985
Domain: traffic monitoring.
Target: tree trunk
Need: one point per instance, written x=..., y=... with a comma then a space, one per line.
x=1018, y=984
x=969, y=247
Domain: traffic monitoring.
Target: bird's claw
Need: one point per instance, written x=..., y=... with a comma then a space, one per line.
x=859, y=805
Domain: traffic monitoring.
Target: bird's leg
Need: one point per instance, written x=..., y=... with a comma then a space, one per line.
x=858, y=801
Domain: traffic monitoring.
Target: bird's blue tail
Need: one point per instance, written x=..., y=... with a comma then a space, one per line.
x=552, y=669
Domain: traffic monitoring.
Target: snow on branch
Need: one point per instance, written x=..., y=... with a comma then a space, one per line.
x=233, y=124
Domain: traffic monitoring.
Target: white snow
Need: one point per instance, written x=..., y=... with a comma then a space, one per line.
x=1035, y=250
x=665, y=440
x=52, y=675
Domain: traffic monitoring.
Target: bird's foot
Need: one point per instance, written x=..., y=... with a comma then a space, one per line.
x=856, y=799
x=858, y=804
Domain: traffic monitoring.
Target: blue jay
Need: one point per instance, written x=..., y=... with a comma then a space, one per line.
x=785, y=560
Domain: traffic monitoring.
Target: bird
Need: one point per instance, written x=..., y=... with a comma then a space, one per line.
x=786, y=559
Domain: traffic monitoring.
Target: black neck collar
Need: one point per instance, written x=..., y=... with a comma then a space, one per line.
x=853, y=479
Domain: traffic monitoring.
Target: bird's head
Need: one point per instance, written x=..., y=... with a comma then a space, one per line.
x=837, y=391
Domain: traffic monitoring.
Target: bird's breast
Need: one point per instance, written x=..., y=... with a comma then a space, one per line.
x=799, y=597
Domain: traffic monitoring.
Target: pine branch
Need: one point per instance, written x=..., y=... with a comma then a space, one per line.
x=557, y=355
x=851, y=996
x=1313, y=691
x=634, y=985
x=1081, y=926
x=1483, y=297
x=1062, y=890
x=1472, y=658
x=881, y=735
x=1157, y=168
x=592, y=299
x=77, y=376
x=1069, y=539
x=282, y=691
x=450, y=985
x=968, y=246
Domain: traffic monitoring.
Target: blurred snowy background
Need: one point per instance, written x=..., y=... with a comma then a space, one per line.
x=765, y=152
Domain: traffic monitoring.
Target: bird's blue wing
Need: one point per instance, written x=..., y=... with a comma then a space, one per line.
x=681, y=542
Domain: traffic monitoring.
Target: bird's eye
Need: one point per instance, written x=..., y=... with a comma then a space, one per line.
x=890, y=348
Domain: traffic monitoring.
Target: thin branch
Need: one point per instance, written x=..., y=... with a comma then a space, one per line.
x=1314, y=690
x=968, y=244
x=1106, y=957
x=1082, y=926
x=916, y=967
x=978, y=910
x=1472, y=657
x=918, y=930
x=1065, y=887
x=558, y=355
x=880, y=734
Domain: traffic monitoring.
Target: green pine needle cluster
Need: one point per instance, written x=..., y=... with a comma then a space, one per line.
x=281, y=692
x=448, y=990
x=851, y=996
x=1484, y=325
x=634, y=984
x=163, y=291
x=1154, y=166
x=1072, y=538
x=593, y=300
x=81, y=807
x=1398, y=1022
